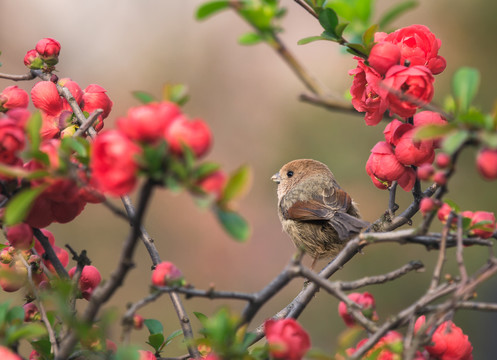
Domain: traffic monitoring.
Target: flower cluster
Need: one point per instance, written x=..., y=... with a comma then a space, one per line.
x=393, y=159
x=398, y=74
x=118, y=155
x=44, y=56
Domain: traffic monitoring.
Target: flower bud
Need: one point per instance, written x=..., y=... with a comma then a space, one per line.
x=425, y=171
x=286, y=339
x=167, y=274
x=440, y=178
x=192, y=133
x=442, y=160
x=138, y=321
x=49, y=50
x=364, y=300
x=13, y=97
x=383, y=56
x=20, y=236
x=426, y=206
x=484, y=230
x=89, y=280
x=30, y=311
x=486, y=163
x=7, y=354
x=214, y=183
x=33, y=60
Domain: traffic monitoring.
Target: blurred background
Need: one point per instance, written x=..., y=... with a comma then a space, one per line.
x=249, y=97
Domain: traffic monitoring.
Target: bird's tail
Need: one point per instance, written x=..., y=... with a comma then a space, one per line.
x=347, y=225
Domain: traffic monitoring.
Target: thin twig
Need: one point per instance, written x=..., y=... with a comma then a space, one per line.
x=87, y=123
x=441, y=255
x=23, y=77
x=459, y=253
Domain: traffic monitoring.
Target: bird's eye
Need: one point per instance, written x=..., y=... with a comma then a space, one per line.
x=289, y=174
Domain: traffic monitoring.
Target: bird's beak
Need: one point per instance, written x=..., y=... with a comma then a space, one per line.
x=276, y=178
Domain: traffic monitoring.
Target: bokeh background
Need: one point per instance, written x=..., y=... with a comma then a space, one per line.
x=249, y=97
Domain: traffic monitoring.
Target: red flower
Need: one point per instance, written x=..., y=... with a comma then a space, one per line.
x=443, y=212
x=33, y=60
x=146, y=355
x=418, y=46
x=366, y=92
x=46, y=98
x=7, y=354
x=49, y=50
x=113, y=163
x=89, y=280
x=383, y=56
x=414, y=152
x=286, y=338
x=74, y=89
x=484, y=230
x=12, y=140
x=167, y=274
x=61, y=254
x=138, y=321
x=193, y=133
x=95, y=97
x=20, y=236
x=364, y=300
x=449, y=342
x=486, y=163
x=426, y=205
x=428, y=118
x=12, y=97
x=382, y=165
x=214, y=183
x=394, y=131
x=415, y=83
x=147, y=123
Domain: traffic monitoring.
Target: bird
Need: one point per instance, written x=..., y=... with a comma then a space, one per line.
x=313, y=209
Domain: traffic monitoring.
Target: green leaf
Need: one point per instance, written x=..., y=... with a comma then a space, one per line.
x=127, y=353
x=465, y=86
x=76, y=145
x=395, y=11
x=205, y=169
x=4, y=308
x=340, y=28
x=453, y=205
x=18, y=207
x=201, y=317
x=154, y=326
x=329, y=20
x=234, y=224
x=177, y=93
x=33, y=130
x=173, y=336
x=357, y=49
x=210, y=8
x=156, y=341
x=237, y=184
x=16, y=314
x=250, y=39
x=310, y=39
x=368, y=36
x=143, y=97
x=489, y=139
x=432, y=131
x=452, y=142
x=29, y=331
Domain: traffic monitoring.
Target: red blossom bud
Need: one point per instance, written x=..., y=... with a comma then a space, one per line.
x=286, y=339
x=383, y=56
x=7, y=354
x=442, y=160
x=138, y=321
x=89, y=280
x=146, y=355
x=414, y=152
x=364, y=300
x=20, y=236
x=33, y=60
x=440, y=178
x=49, y=50
x=485, y=230
x=95, y=97
x=167, y=274
x=443, y=213
x=425, y=172
x=426, y=206
x=486, y=163
x=13, y=97
x=192, y=133
x=30, y=311
x=214, y=183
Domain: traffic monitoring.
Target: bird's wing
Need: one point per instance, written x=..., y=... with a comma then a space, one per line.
x=331, y=205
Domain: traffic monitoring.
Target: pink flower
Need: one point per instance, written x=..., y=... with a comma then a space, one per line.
x=449, y=342
x=415, y=83
x=214, y=183
x=418, y=46
x=414, y=152
x=7, y=354
x=33, y=60
x=20, y=236
x=192, y=133
x=364, y=300
x=147, y=123
x=286, y=338
x=486, y=163
x=394, y=131
x=12, y=140
x=113, y=163
x=485, y=230
x=382, y=165
x=167, y=274
x=46, y=98
x=49, y=50
x=428, y=118
x=89, y=280
x=366, y=92
x=383, y=56
x=95, y=97
x=12, y=97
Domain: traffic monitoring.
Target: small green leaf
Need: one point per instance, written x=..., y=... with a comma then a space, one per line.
x=143, y=97
x=127, y=353
x=75, y=145
x=154, y=326
x=173, y=336
x=237, y=184
x=205, y=169
x=156, y=341
x=452, y=142
x=310, y=39
x=18, y=207
x=329, y=20
x=27, y=332
x=453, y=205
x=368, y=36
x=4, y=308
x=250, y=39
x=234, y=224
x=16, y=314
x=340, y=28
x=489, y=139
x=432, y=131
x=395, y=11
x=210, y=8
x=465, y=86
x=357, y=49
x=201, y=317
x=33, y=130
x=176, y=93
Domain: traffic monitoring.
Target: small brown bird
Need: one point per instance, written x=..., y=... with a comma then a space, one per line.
x=315, y=212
